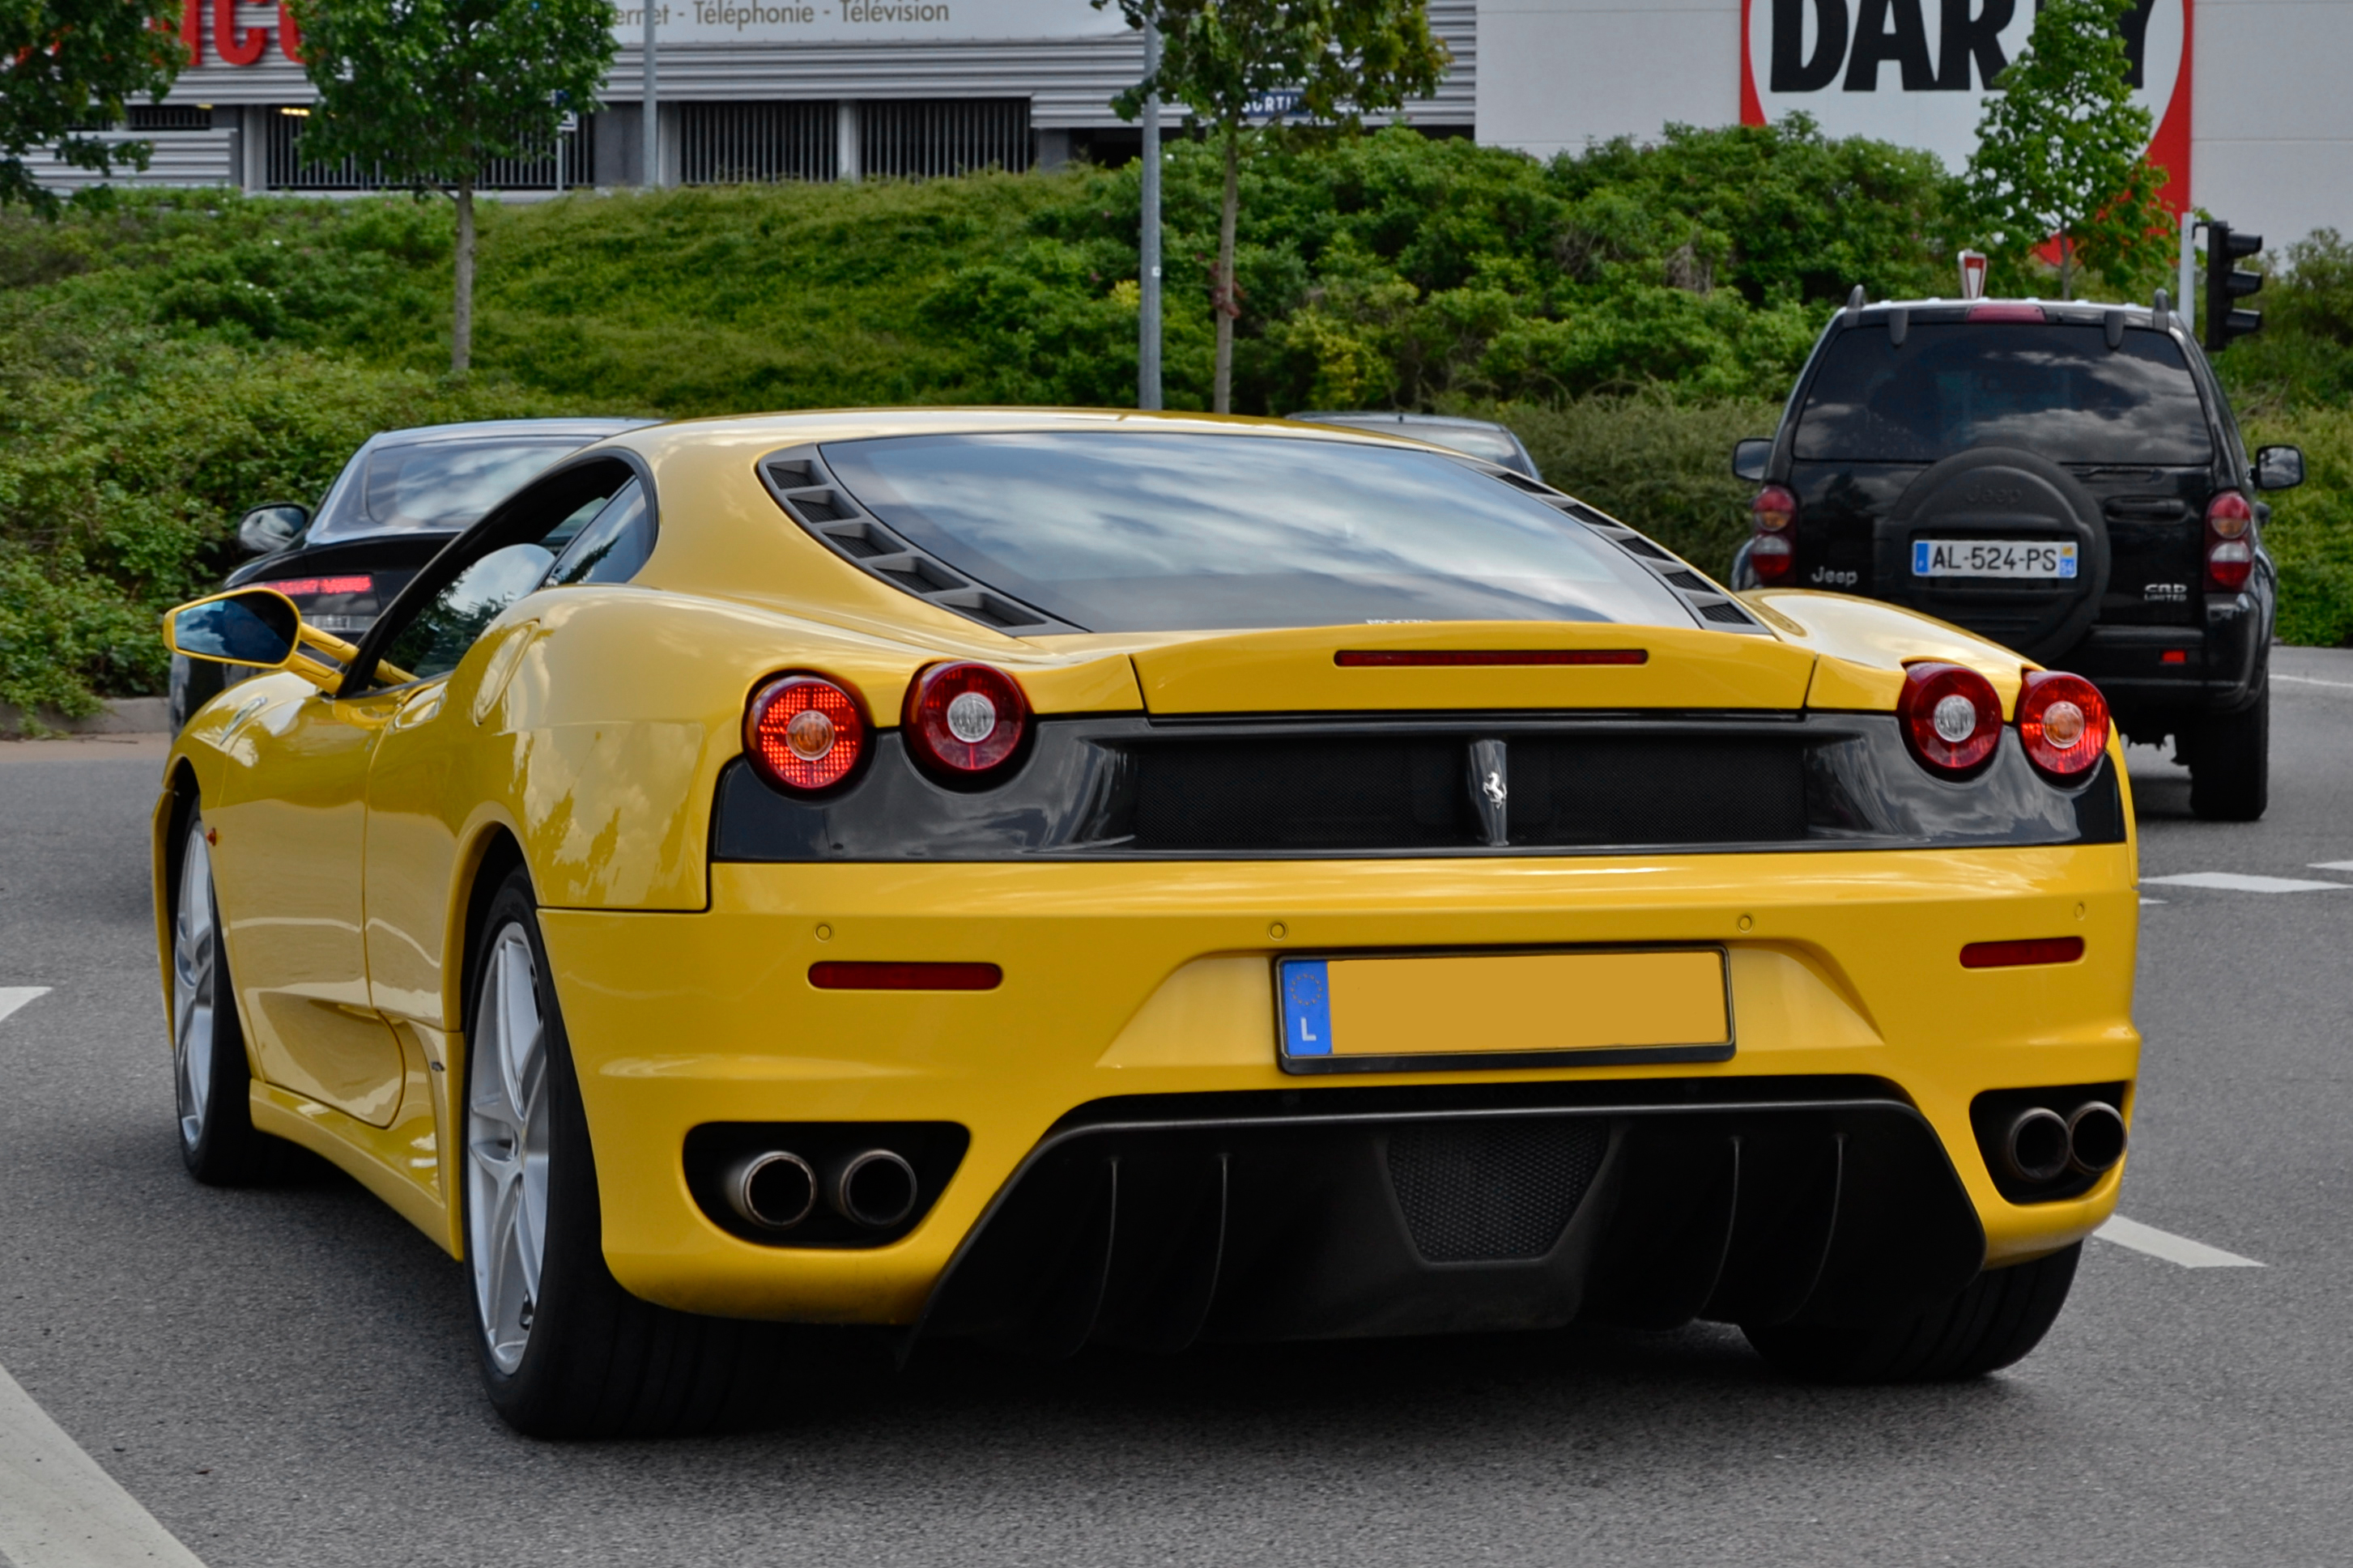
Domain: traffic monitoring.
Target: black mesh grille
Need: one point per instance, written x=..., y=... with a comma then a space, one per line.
x=1656, y=789
x=1302, y=794
x=1493, y=1190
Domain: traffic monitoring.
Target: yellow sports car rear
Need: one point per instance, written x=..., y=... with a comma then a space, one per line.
x=1069, y=878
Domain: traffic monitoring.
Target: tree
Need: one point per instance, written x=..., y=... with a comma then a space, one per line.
x=66, y=68
x=2061, y=151
x=1344, y=59
x=429, y=91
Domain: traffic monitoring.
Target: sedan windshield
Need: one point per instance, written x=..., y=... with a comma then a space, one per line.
x=1128, y=530
x=445, y=486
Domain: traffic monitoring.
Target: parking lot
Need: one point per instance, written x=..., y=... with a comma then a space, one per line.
x=283, y=1376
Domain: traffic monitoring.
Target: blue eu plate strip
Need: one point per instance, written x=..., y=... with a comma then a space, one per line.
x=1306, y=1009
x=1920, y=557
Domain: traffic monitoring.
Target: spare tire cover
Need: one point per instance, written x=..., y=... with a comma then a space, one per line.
x=2003, y=493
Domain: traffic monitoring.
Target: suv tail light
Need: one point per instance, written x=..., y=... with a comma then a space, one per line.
x=1950, y=716
x=2064, y=721
x=804, y=733
x=1773, y=548
x=2230, y=543
x=965, y=723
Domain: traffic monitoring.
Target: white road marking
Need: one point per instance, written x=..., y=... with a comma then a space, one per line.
x=2238, y=882
x=2332, y=865
x=2312, y=680
x=15, y=996
x=60, y=1510
x=2173, y=1248
x=2152, y=901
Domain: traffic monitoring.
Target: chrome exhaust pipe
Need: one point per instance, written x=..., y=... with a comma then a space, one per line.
x=775, y=1190
x=875, y=1189
x=2095, y=1138
x=2036, y=1146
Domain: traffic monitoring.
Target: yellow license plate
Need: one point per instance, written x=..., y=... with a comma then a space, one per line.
x=1595, y=1007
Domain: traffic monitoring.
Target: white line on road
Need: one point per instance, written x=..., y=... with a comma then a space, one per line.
x=2332, y=865
x=2152, y=901
x=2238, y=882
x=2173, y=1248
x=15, y=996
x=60, y=1510
x=2311, y=680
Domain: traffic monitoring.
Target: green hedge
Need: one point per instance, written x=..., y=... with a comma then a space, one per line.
x=167, y=359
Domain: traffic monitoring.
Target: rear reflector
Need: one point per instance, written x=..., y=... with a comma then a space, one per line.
x=909, y=976
x=2009, y=954
x=2174, y=656
x=321, y=585
x=2007, y=312
x=1393, y=658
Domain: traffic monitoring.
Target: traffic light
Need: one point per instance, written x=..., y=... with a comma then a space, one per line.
x=2225, y=283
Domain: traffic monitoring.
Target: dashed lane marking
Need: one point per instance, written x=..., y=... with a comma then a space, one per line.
x=2332, y=865
x=2152, y=901
x=2239, y=882
x=2312, y=680
x=60, y=1510
x=2173, y=1248
x=15, y=996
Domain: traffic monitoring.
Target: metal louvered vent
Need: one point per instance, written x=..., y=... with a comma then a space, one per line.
x=801, y=485
x=1493, y=1190
x=1715, y=608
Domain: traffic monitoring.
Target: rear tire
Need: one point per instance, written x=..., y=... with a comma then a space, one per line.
x=564, y=1351
x=2230, y=763
x=211, y=1080
x=2002, y=1315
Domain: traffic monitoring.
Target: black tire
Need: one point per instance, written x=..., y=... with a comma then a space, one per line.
x=212, y=1079
x=2002, y=1315
x=593, y=1360
x=2230, y=763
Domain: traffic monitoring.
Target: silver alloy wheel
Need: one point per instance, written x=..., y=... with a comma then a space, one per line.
x=507, y=1147
x=195, y=965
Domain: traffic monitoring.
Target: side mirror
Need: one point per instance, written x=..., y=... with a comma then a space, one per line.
x=1750, y=458
x=267, y=530
x=2278, y=468
x=257, y=627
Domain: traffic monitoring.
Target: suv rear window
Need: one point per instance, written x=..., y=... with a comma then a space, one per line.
x=2057, y=390
x=1127, y=531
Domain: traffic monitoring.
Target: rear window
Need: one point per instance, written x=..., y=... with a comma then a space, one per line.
x=2057, y=390
x=448, y=485
x=1124, y=531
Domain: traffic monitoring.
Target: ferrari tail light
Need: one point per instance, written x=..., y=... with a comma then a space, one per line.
x=1950, y=718
x=2064, y=721
x=804, y=733
x=2230, y=548
x=965, y=723
x=1773, y=544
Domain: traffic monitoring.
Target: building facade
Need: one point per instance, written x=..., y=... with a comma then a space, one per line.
x=2251, y=123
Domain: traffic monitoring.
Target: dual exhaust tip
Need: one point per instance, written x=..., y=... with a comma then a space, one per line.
x=2041, y=1145
x=874, y=1189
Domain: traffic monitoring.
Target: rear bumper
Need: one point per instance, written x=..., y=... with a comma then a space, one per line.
x=1138, y=999
x=2219, y=668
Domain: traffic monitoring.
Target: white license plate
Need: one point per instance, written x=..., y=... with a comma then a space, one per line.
x=1993, y=558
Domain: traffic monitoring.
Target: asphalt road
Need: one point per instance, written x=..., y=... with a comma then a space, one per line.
x=283, y=1376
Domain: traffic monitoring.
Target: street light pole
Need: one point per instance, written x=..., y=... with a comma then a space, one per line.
x=1147, y=281
x=651, y=176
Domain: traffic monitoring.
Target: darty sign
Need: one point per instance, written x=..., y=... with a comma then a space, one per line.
x=1918, y=72
x=758, y=22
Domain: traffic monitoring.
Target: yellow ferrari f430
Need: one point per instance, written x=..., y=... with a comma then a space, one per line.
x=1071, y=879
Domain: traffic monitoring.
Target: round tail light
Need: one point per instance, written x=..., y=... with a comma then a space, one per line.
x=804, y=733
x=965, y=723
x=1772, y=547
x=1950, y=717
x=2063, y=720
x=2230, y=544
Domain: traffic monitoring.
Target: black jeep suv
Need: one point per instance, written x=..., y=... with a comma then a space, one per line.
x=2062, y=479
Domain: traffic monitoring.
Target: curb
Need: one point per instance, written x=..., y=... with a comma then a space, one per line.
x=122, y=715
